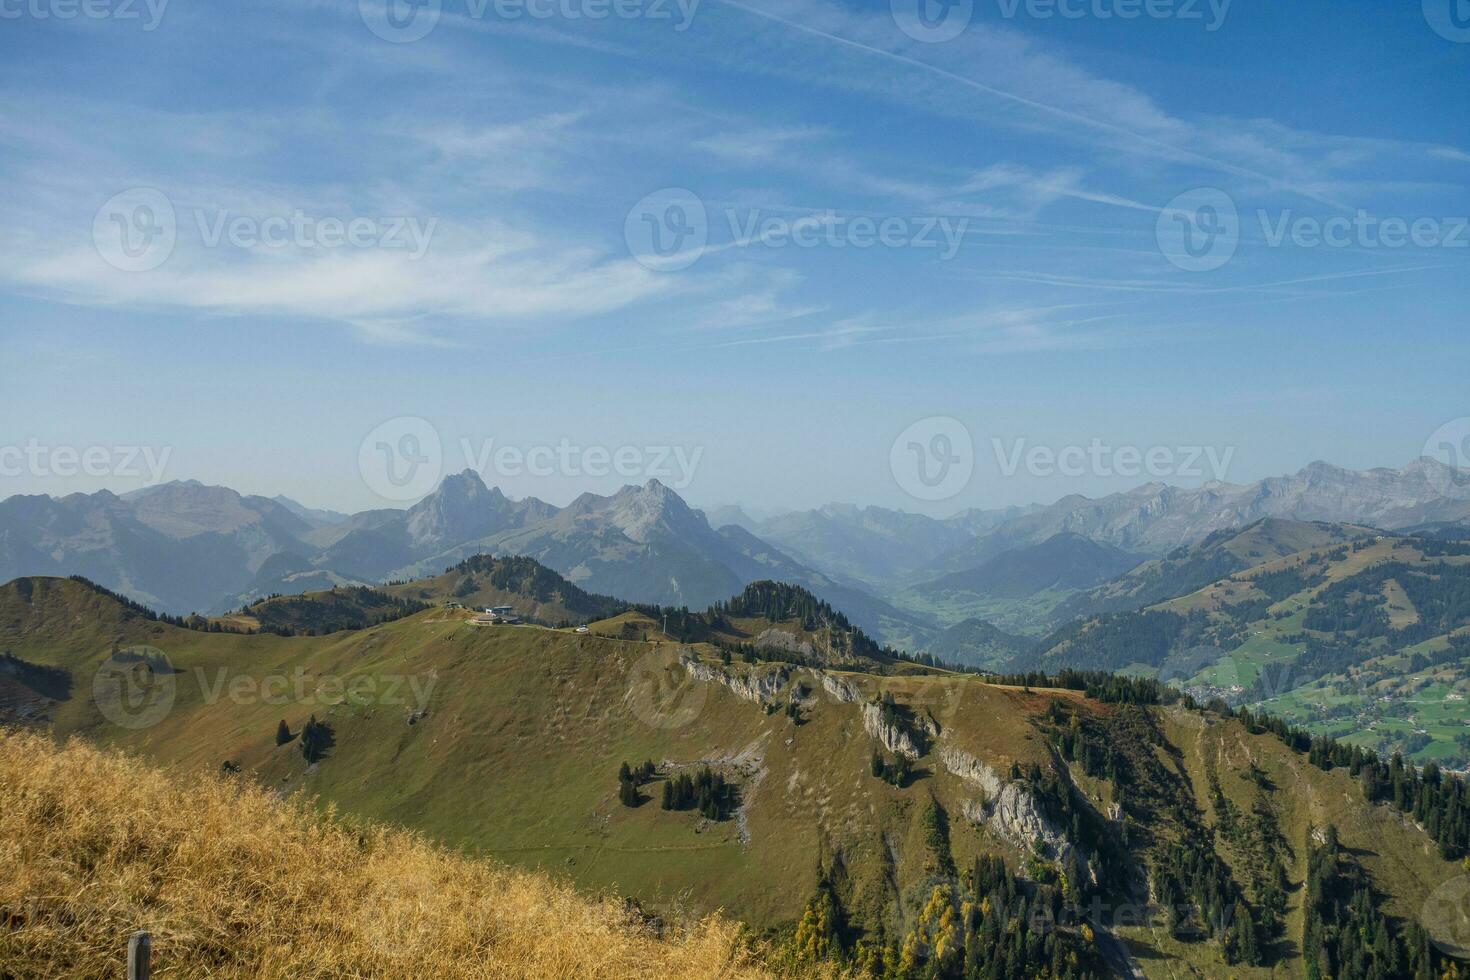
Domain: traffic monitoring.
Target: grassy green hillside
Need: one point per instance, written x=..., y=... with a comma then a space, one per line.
x=1192, y=567
x=1364, y=640
x=232, y=882
x=876, y=796
x=976, y=643
x=341, y=608
x=537, y=593
x=1033, y=590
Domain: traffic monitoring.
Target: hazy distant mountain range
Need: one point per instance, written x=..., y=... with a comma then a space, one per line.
x=889, y=550
x=185, y=546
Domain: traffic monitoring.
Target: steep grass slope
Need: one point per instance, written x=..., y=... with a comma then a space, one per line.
x=231, y=882
x=506, y=742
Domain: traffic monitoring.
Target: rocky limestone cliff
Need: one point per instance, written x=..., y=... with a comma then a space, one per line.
x=842, y=691
x=779, y=639
x=760, y=686
x=891, y=733
x=972, y=771
x=1016, y=818
x=926, y=723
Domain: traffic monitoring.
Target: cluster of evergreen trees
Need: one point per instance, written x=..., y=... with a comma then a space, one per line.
x=1115, y=640
x=1260, y=848
x=707, y=792
x=284, y=615
x=316, y=739
x=1437, y=800
x=982, y=925
x=351, y=607
x=53, y=682
x=1098, y=685
x=775, y=602
x=1348, y=935
x=630, y=778
x=1200, y=898
x=527, y=577
x=132, y=609
x=1440, y=594
x=1086, y=745
x=898, y=772
x=1279, y=585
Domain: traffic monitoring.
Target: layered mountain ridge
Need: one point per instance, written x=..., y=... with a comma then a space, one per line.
x=185, y=546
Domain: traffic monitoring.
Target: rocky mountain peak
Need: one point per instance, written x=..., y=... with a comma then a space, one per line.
x=462, y=508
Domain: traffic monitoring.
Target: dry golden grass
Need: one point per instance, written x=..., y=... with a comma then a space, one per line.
x=232, y=882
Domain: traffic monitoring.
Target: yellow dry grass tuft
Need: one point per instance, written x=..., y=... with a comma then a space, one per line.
x=233, y=882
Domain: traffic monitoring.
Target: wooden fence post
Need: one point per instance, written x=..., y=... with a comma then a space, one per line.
x=140, y=949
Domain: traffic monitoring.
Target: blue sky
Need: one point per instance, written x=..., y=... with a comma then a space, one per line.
x=1031, y=285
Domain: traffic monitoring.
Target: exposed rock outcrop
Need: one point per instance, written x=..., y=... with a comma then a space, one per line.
x=889, y=731
x=926, y=723
x=759, y=685
x=1016, y=817
x=841, y=690
x=778, y=639
x=971, y=770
